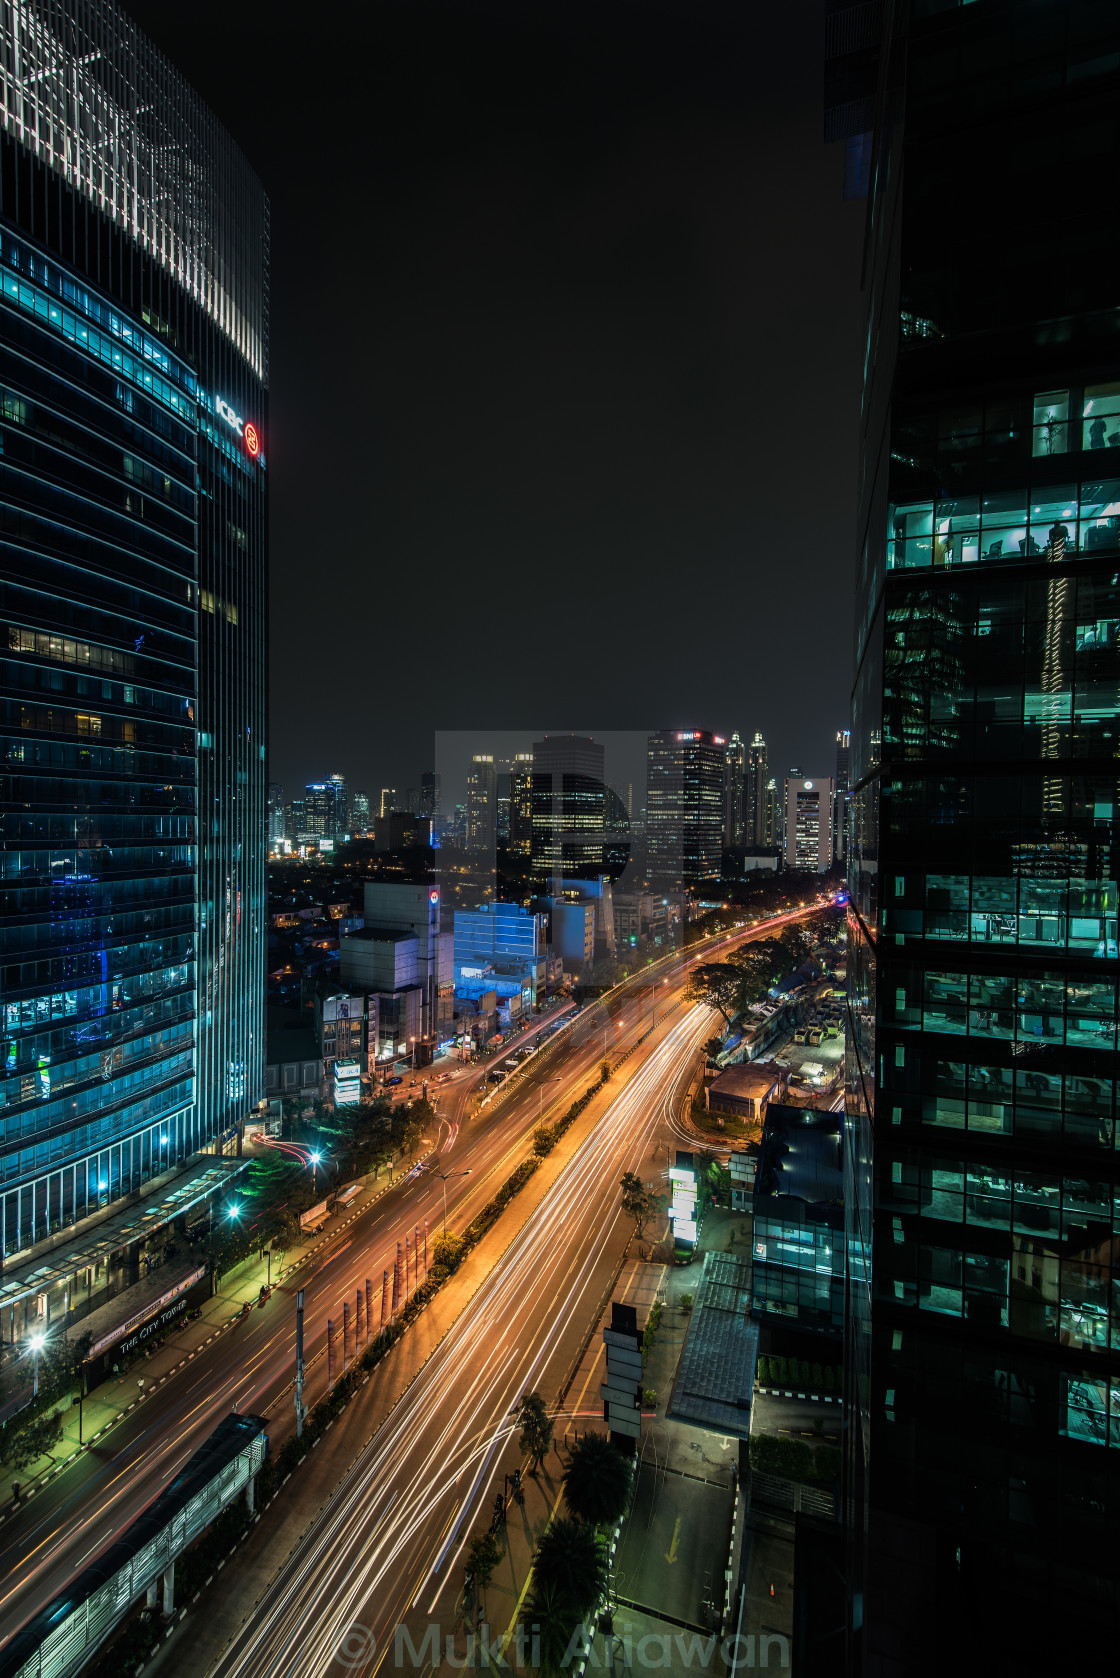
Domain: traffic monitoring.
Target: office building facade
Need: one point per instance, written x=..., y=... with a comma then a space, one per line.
x=482, y=805
x=685, y=771
x=133, y=500
x=982, y=1442
x=757, y=823
x=809, y=810
x=568, y=801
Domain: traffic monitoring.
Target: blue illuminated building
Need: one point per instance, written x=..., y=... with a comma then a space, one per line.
x=133, y=544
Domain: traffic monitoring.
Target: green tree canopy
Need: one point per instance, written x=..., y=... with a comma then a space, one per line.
x=536, y=1429
x=596, y=1481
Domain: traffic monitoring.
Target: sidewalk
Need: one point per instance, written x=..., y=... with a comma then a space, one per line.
x=119, y=1394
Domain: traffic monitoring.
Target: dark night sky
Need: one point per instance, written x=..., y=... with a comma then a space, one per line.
x=565, y=350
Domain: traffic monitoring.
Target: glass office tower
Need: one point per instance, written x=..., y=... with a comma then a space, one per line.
x=133, y=499
x=982, y=1464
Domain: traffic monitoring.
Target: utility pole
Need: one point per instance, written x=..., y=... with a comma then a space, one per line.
x=299, y=1363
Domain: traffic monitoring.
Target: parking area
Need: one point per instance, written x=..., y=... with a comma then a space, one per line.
x=815, y=1061
x=675, y=1544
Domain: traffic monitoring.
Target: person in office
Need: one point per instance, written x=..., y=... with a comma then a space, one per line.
x=1097, y=430
x=1059, y=540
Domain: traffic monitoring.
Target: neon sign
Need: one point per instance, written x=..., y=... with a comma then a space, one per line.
x=245, y=429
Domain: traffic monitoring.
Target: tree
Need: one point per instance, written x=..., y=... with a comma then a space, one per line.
x=596, y=1481
x=410, y=1136
x=536, y=1430
x=638, y=1202
x=605, y=1071
x=717, y=984
x=569, y=1562
x=483, y=1557
x=20, y=1446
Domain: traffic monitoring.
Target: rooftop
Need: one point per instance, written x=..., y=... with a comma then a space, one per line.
x=801, y=1156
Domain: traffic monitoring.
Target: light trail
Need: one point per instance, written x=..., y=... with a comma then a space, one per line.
x=440, y=1444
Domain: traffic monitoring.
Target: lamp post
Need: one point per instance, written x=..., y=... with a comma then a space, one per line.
x=445, y=1178
x=540, y=1091
x=36, y=1347
x=412, y=1047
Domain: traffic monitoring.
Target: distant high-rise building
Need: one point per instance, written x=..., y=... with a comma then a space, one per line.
x=521, y=804
x=482, y=805
x=275, y=812
x=734, y=792
x=808, y=824
x=326, y=807
x=429, y=798
x=685, y=771
x=387, y=803
x=568, y=808
x=359, y=812
x=759, y=825
x=773, y=827
x=296, y=819
x=840, y=819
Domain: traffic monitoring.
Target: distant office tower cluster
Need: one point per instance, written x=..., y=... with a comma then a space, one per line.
x=134, y=342
x=982, y=1474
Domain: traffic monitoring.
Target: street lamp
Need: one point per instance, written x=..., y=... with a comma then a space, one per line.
x=412, y=1046
x=654, y=989
x=315, y=1158
x=445, y=1178
x=540, y=1091
x=36, y=1347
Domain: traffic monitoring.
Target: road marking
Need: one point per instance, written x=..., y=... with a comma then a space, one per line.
x=672, y=1555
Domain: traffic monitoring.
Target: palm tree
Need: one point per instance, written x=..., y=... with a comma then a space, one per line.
x=570, y=1563
x=596, y=1481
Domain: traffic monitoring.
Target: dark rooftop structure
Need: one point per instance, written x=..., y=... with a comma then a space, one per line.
x=799, y=1218
x=715, y=1379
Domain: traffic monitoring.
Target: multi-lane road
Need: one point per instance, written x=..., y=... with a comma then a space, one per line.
x=386, y=1550
x=251, y=1366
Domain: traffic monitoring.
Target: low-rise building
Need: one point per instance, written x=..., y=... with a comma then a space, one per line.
x=743, y=1092
x=799, y=1219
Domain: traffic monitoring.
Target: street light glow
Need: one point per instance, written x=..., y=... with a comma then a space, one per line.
x=38, y=1342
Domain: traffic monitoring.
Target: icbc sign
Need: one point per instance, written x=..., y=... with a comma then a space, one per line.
x=245, y=429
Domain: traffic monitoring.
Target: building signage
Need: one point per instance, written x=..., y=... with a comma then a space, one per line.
x=119, y=1329
x=245, y=429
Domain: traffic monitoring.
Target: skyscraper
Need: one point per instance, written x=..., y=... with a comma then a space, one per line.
x=982, y=1471
x=359, y=820
x=521, y=804
x=840, y=818
x=758, y=825
x=429, y=798
x=482, y=805
x=685, y=771
x=387, y=803
x=735, y=792
x=275, y=811
x=809, y=809
x=134, y=251
x=326, y=807
x=568, y=808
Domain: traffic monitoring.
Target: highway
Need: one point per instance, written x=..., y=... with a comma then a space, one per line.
x=251, y=1367
x=386, y=1550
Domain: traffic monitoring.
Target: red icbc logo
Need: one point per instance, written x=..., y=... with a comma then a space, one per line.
x=252, y=439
